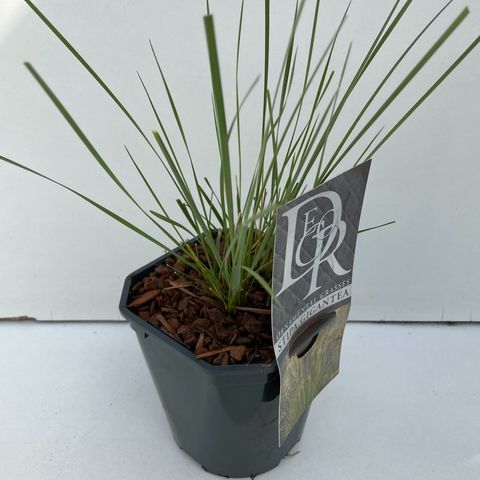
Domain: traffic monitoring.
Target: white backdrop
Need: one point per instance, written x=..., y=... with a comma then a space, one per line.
x=61, y=259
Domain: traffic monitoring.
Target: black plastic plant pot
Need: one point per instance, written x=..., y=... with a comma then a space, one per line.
x=224, y=417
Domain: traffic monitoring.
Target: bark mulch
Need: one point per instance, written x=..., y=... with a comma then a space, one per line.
x=168, y=300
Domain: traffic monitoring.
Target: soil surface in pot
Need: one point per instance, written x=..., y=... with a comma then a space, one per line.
x=169, y=301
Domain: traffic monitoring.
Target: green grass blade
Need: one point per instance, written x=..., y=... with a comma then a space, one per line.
x=213, y=208
x=75, y=127
x=226, y=174
x=424, y=97
x=89, y=69
x=242, y=103
x=342, y=75
x=145, y=181
x=386, y=78
x=403, y=84
x=237, y=113
x=312, y=42
x=66, y=115
x=157, y=200
x=383, y=34
x=288, y=65
x=159, y=121
x=296, y=18
x=262, y=283
x=377, y=226
x=171, y=100
x=367, y=148
x=179, y=126
x=100, y=207
x=266, y=60
x=172, y=222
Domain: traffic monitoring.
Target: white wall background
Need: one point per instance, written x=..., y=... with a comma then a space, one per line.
x=61, y=259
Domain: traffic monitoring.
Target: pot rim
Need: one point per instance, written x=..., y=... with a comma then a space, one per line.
x=219, y=370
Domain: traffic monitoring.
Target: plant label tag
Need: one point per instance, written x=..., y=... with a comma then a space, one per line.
x=315, y=241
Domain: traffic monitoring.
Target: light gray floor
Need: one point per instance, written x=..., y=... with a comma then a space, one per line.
x=76, y=402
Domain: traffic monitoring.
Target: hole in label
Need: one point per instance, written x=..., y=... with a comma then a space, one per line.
x=309, y=346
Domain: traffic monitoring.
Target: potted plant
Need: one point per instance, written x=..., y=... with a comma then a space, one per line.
x=201, y=311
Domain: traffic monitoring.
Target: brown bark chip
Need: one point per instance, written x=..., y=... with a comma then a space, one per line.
x=237, y=352
x=145, y=298
x=174, y=304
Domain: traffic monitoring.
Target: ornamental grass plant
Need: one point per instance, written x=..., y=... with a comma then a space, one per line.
x=300, y=111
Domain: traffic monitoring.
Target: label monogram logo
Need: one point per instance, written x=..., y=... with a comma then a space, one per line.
x=325, y=230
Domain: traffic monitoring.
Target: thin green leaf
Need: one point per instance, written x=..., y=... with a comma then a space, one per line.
x=100, y=207
x=262, y=283
x=242, y=103
x=226, y=174
x=403, y=84
x=377, y=226
x=169, y=220
x=440, y=80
